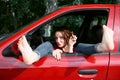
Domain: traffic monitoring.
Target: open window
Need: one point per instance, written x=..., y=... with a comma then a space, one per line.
x=81, y=22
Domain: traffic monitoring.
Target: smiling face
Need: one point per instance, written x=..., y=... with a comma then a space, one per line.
x=59, y=38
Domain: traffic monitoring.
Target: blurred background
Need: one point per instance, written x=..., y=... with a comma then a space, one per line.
x=18, y=13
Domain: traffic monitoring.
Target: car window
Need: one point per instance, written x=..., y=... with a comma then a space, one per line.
x=81, y=22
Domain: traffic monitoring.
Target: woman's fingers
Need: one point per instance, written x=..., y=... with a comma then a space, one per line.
x=57, y=54
x=72, y=40
x=74, y=37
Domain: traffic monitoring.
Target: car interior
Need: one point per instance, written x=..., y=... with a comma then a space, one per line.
x=86, y=25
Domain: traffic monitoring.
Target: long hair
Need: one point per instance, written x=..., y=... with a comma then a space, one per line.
x=66, y=34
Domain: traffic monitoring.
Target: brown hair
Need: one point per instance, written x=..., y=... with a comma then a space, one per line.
x=66, y=34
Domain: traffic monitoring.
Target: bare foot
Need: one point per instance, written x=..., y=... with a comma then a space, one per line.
x=23, y=45
x=29, y=56
x=107, y=40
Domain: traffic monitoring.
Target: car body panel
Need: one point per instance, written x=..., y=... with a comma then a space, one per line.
x=114, y=65
x=67, y=67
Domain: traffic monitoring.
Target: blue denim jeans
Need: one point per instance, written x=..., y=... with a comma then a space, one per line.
x=87, y=49
x=46, y=48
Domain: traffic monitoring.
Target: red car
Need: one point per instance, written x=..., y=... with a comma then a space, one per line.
x=75, y=66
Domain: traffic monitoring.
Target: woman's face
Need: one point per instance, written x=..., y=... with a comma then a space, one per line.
x=59, y=39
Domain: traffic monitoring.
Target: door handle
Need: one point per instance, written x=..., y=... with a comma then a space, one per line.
x=88, y=71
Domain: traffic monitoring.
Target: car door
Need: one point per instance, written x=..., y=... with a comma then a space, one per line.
x=114, y=65
x=72, y=66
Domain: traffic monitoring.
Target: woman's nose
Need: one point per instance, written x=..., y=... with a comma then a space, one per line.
x=58, y=40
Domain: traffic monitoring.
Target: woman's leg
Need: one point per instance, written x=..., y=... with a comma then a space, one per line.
x=44, y=49
x=107, y=43
x=87, y=49
x=30, y=56
x=27, y=53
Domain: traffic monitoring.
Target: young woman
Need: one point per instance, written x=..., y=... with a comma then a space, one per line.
x=65, y=41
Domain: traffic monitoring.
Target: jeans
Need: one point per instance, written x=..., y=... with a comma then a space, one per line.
x=87, y=49
x=46, y=48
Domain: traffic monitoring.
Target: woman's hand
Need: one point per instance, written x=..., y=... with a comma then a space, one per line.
x=72, y=40
x=57, y=54
x=71, y=43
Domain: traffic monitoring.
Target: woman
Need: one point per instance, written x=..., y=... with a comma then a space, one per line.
x=65, y=41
